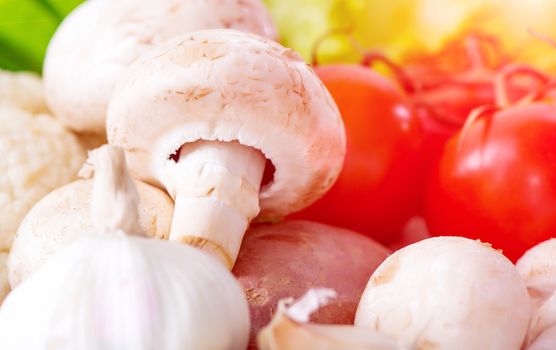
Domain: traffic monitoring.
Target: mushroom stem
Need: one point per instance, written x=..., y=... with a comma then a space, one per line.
x=217, y=196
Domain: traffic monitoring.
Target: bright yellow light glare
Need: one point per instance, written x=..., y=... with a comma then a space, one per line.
x=401, y=26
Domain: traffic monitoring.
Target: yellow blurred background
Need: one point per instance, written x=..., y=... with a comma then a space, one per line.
x=399, y=27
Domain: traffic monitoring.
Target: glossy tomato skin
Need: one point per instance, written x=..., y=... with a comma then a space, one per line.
x=498, y=183
x=443, y=111
x=376, y=192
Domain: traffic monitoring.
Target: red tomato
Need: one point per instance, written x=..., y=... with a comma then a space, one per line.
x=497, y=182
x=450, y=84
x=377, y=190
x=415, y=230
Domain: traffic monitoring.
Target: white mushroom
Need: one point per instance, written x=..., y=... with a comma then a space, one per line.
x=23, y=90
x=447, y=293
x=63, y=216
x=545, y=341
x=537, y=267
x=202, y=113
x=38, y=155
x=97, y=42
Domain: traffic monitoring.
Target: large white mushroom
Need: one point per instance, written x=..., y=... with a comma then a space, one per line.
x=447, y=293
x=200, y=116
x=97, y=42
x=63, y=216
x=537, y=267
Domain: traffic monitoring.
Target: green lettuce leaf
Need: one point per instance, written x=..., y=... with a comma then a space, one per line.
x=26, y=26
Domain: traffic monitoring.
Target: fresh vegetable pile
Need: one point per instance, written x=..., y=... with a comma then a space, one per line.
x=236, y=197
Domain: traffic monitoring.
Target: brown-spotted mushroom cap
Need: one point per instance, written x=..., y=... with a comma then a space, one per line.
x=98, y=41
x=64, y=215
x=227, y=101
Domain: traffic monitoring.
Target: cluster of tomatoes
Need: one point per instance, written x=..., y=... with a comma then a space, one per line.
x=464, y=138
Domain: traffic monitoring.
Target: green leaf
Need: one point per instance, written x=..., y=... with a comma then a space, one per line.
x=26, y=27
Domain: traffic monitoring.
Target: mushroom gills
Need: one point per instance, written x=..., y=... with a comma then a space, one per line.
x=217, y=195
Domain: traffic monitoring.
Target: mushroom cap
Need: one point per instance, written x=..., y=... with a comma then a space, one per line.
x=545, y=341
x=64, y=215
x=537, y=267
x=230, y=86
x=38, y=155
x=447, y=293
x=98, y=41
x=23, y=90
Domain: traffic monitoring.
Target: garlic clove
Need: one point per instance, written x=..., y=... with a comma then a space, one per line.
x=288, y=329
x=122, y=292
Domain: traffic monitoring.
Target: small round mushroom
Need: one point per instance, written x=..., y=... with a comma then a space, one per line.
x=38, y=155
x=23, y=90
x=201, y=115
x=537, y=267
x=63, y=216
x=447, y=293
x=97, y=42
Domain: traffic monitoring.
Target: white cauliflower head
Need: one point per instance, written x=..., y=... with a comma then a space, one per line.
x=39, y=155
x=23, y=90
x=4, y=286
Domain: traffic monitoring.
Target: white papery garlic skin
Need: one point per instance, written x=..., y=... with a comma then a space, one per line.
x=447, y=293
x=116, y=291
x=289, y=329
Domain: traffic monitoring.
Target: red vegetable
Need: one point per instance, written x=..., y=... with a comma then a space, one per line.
x=497, y=180
x=285, y=260
x=415, y=230
x=448, y=85
x=377, y=190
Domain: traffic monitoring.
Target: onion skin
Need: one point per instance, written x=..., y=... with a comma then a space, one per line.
x=286, y=259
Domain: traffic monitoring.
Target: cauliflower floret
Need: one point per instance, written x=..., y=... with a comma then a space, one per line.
x=4, y=286
x=38, y=155
x=23, y=90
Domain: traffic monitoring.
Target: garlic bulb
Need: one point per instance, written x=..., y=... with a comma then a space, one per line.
x=289, y=329
x=116, y=291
